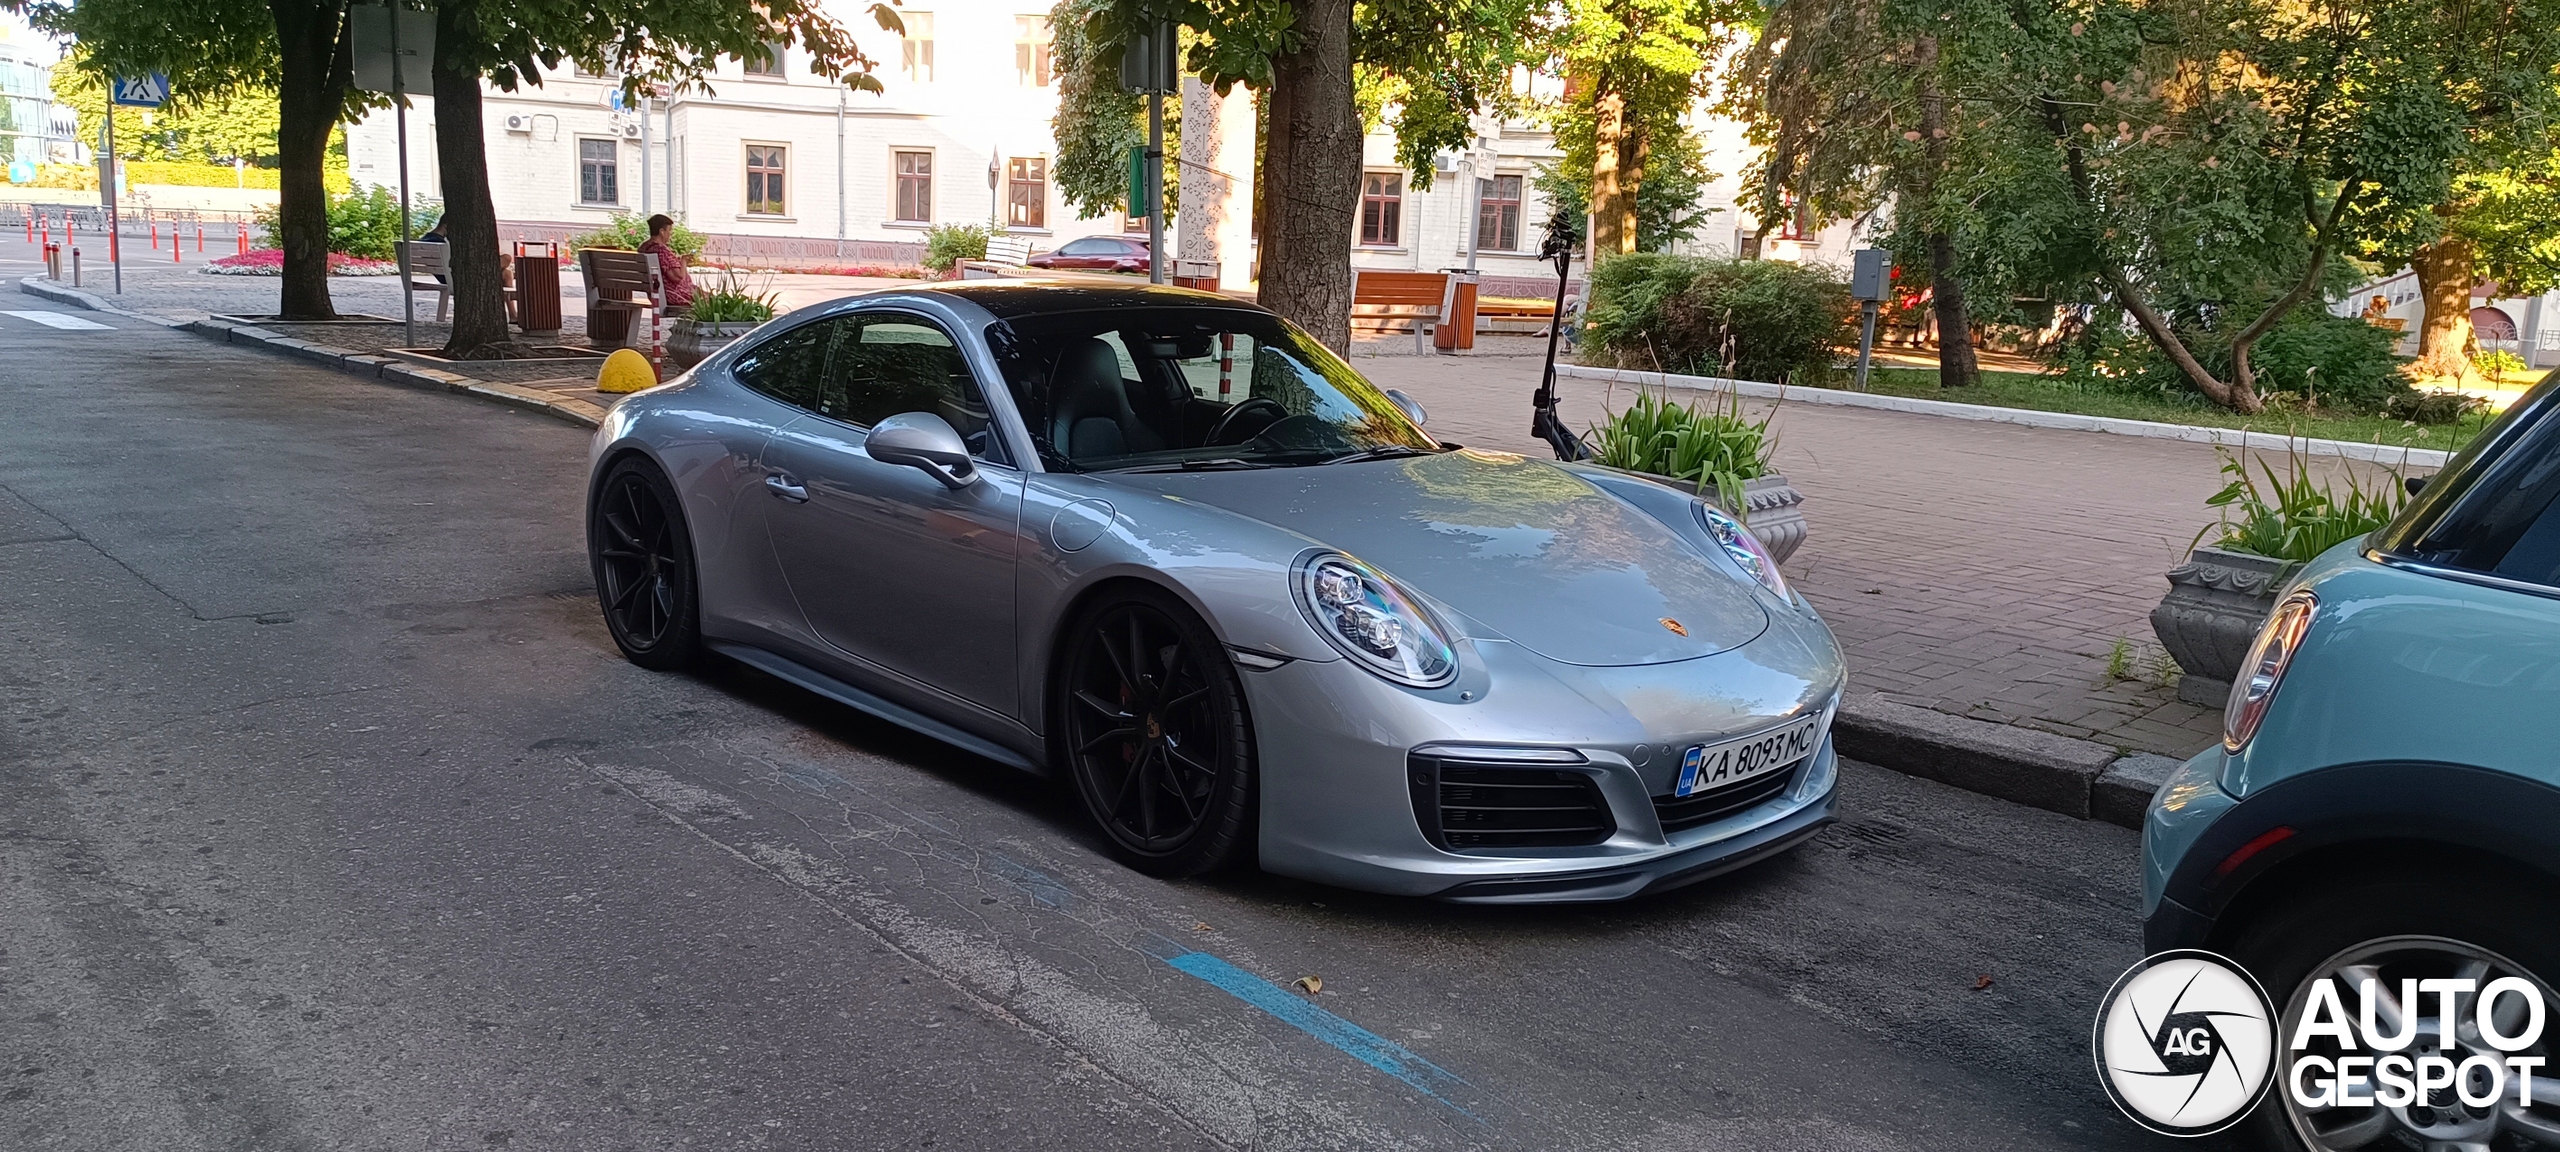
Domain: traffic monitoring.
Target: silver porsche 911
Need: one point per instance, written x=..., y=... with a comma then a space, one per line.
x=1169, y=547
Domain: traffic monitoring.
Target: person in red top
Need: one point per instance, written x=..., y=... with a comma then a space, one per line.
x=679, y=285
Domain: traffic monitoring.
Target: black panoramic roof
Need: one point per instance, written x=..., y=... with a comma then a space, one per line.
x=1009, y=298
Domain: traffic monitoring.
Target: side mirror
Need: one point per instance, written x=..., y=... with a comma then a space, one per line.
x=923, y=440
x=1412, y=408
x=2414, y=484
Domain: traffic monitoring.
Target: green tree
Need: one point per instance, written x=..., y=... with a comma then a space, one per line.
x=2497, y=223
x=238, y=124
x=1667, y=209
x=1632, y=68
x=212, y=49
x=657, y=45
x=1306, y=58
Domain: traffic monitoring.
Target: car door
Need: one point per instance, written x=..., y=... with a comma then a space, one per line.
x=888, y=564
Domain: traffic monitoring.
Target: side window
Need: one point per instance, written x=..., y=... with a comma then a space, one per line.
x=789, y=366
x=885, y=363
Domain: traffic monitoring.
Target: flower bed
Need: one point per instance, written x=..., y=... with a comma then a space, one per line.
x=270, y=262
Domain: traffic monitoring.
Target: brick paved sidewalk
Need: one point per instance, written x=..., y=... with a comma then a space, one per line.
x=1986, y=570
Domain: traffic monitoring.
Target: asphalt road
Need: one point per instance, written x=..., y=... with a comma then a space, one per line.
x=329, y=819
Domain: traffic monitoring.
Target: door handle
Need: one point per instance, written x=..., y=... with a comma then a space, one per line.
x=780, y=484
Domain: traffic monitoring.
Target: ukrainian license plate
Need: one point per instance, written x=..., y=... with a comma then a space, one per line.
x=1710, y=766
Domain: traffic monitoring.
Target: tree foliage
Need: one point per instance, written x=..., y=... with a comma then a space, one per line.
x=220, y=127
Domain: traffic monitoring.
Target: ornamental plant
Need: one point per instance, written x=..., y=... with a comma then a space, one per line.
x=628, y=230
x=2292, y=516
x=730, y=302
x=1713, y=444
x=948, y=244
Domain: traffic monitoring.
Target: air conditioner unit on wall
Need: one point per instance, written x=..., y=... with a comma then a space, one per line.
x=520, y=123
x=629, y=131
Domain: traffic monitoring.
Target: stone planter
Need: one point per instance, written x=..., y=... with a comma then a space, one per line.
x=691, y=341
x=2215, y=603
x=1774, y=510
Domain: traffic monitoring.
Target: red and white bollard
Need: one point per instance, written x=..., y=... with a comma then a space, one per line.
x=155, y=233
x=199, y=239
x=244, y=239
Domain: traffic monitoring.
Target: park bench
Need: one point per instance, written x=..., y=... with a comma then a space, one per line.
x=1390, y=301
x=620, y=285
x=429, y=268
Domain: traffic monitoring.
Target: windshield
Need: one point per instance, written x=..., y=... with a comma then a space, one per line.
x=1191, y=387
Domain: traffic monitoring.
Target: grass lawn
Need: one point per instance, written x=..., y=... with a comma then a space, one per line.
x=2043, y=394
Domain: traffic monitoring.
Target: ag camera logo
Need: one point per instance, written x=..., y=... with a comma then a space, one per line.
x=2184, y=1043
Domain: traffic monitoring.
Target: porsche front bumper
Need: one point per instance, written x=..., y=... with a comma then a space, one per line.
x=1340, y=752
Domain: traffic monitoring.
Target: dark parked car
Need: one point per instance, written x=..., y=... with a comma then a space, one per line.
x=1096, y=254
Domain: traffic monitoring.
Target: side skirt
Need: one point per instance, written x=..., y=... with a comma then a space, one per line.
x=855, y=698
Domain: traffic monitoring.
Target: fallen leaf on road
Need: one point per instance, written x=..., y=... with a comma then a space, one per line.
x=1202, y=926
x=1981, y=983
x=1308, y=984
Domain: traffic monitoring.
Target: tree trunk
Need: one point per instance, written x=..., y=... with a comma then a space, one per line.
x=470, y=220
x=1312, y=190
x=2445, y=277
x=1635, y=151
x=311, y=88
x=1613, y=206
x=1957, y=367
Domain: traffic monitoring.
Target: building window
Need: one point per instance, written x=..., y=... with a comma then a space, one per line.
x=1031, y=37
x=1498, y=214
x=915, y=187
x=1381, y=205
x=769, y=61
x=765, y=171
x=1026, y=192
x=915, y=48
x=599, y=172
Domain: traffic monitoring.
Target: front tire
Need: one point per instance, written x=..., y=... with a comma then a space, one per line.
x=2390, y=927
x=1152, y=731
x=642, y=556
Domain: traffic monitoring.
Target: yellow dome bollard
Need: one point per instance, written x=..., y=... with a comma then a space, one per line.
x=626, y=371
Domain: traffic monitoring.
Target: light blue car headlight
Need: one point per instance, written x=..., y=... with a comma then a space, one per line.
x=1361, y=612
x=1745, y=548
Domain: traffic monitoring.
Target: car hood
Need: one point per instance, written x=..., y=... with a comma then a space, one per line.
x=1522, y=549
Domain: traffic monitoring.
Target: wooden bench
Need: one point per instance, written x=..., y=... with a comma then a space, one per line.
x=1389, y=301
x=429, y=266
x=1008, y=250
x=620, y=285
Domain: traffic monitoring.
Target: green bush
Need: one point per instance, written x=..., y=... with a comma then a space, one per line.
x=1710, y=445
x=949, y=244
x=2355, y=368
x=627, y=230
x=1750, y=319
x=364, y=223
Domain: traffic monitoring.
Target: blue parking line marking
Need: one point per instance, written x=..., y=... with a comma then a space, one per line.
x=1044, y=889
x=1351, y=1039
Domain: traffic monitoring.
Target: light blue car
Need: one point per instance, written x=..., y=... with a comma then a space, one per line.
x=2385, y=803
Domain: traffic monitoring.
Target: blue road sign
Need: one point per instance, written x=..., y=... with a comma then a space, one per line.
x=149, y=90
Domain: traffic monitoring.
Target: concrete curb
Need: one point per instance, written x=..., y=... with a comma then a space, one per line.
x=582, y=413
x=2113, y=426
x=2038, y=769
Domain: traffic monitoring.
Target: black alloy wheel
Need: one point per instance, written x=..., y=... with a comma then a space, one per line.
x=1154, y=734
x=643, y=560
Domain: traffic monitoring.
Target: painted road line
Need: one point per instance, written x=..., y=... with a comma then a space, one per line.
x=1297, y=1012
x=61, y=320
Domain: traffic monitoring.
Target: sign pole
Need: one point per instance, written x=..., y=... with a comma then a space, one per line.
x=400, y=114
x=1866, y=339
x=115, y=255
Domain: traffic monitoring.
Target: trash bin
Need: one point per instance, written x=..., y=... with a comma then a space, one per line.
x=538, y=288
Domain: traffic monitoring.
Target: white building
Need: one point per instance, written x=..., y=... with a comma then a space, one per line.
x=2526, y=326
x=783, y=167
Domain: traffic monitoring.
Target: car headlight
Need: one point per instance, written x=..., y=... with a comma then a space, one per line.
x=1745, y=548
x=2263, y=671
x=1373, y=622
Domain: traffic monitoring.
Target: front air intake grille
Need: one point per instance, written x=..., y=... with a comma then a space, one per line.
x=1464, y=805
x=1679, y=812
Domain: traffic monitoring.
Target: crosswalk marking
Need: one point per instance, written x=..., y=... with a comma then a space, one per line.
x=60, y=320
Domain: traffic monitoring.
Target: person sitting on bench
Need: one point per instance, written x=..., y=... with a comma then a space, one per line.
x=678, y=286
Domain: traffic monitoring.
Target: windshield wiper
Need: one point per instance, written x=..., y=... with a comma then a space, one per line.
x=1221, y=464
x=1390, y=452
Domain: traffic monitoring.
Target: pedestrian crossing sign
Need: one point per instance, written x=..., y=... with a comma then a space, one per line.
x=149, y=90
